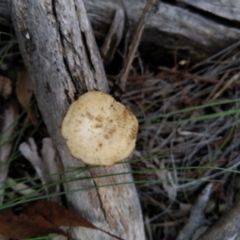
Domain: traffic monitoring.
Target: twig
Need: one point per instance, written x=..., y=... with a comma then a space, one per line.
x=113, y=37
x=230, y=82
x=196, y=218
x=195, y=77
x=135, y=43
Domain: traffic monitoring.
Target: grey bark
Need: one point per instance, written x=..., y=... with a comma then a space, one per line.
x=227, y=227
x=229, y=10
x=187, y=25
x=59, y=50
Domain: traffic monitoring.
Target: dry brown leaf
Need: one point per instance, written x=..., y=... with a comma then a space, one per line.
x=61, y=216
x=218, y=189
x=57, y=214
x=24, y=92
x=24, y=89
x=24, y=226
x=5, y=87
x=41, y=218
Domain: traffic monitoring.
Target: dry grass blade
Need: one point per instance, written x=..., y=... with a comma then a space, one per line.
x=183, y=118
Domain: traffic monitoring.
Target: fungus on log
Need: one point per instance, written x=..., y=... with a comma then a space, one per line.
x=59, y=50
x=99, y=130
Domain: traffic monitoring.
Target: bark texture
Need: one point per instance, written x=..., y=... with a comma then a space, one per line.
x=227, y=227
x=190, y=24
x=59, y=50
x=186, y=25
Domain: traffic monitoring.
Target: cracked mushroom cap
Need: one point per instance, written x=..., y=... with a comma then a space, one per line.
x=99, y=130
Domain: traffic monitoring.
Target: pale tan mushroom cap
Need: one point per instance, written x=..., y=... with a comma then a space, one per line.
x=99, y=130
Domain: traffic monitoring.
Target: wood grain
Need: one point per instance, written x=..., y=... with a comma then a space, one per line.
x=228, y=9
x=59, y=50
x=227, y=227
x=199, y=27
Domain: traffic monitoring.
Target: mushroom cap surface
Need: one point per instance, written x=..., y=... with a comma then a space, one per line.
x=99, y=130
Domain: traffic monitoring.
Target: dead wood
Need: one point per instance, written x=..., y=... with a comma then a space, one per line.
x=196, y=218
x=135, y=43
x=227, y=227
x=229, y=10
x=59, y=50
x=198, y=28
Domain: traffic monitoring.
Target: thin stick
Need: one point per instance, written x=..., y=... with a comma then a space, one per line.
x=195, y=77
x=135, y=43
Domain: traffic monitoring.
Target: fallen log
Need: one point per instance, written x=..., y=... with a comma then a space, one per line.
x=196, y=29
x=227, y=227
x=60, y=53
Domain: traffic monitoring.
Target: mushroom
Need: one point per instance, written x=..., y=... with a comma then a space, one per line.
x=99, y=130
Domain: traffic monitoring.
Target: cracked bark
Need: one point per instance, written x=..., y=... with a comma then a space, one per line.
x=59, y=50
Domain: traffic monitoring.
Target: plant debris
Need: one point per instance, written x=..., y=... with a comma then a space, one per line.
x=41, y=218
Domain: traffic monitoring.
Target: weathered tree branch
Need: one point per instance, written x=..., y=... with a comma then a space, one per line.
x=227, y=227
x=187, y=25
x=59, y=50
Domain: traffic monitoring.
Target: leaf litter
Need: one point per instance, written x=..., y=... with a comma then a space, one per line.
x=189, y=131
x=8, y=116
x=41, y=218
x=188, y=138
